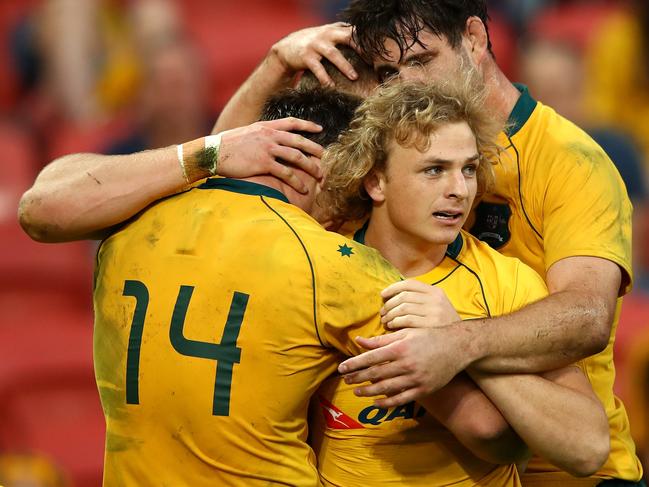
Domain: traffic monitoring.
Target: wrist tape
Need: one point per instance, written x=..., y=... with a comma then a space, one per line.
x=199, y=158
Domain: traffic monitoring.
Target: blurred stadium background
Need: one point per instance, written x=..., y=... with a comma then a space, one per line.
x=118, y=76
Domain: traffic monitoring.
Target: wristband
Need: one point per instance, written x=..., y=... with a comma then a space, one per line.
x=199, y=158
x=213, y=145
x=181, y=161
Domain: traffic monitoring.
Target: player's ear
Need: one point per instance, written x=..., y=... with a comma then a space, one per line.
x=374, y=184
x=475, y=39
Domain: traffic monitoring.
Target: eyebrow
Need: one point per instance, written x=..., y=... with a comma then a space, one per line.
x=446, y=162
x=386, y=66
x=419, y=56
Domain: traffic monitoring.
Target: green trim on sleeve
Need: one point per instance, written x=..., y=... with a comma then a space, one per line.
x=522, y=111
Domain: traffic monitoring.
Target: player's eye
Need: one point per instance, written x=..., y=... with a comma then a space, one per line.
x=470, y=169
x=434, y=170
x=386, y=74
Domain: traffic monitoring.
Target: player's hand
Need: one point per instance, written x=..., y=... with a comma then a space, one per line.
x=413, y=304
x=255, y=149
x=305, y=49
x=408, y=364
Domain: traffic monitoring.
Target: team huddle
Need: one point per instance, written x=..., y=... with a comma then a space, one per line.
x=452, y=325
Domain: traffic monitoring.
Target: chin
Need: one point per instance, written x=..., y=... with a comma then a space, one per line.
x=444, y=237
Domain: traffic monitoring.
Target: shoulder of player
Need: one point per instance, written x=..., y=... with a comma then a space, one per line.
x=486, y=262
x=337, y=251
x=552, y=139
x=502, y=276
x=482, y=258
x=331, y=252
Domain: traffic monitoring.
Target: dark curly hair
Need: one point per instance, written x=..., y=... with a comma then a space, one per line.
x=330, y=109
x=403, y=20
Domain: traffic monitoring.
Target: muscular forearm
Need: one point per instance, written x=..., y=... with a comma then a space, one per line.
x=82, y=195
x=559, y=330
x=79, y=195
x=246, y=104
x=563, y=425
x=475, y=421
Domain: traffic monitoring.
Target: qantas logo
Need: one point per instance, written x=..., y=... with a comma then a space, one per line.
x=335, y=418
x=373, y=415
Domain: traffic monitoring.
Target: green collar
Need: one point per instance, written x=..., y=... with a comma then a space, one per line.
x=522, y=111
x=455, y=247
x=453, y=250
x=243, y=187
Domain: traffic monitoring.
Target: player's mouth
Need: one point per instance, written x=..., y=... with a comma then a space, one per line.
x=448, y=217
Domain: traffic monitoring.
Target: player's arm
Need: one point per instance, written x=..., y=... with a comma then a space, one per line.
x=475, y=421
x=557, y=415
x=572, y=323
x=82, y=195
x=587, y=253
x=562, y=328
x=298, y=51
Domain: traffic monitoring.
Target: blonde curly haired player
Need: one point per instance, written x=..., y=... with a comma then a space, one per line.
x=409, y=114
x=414, y=160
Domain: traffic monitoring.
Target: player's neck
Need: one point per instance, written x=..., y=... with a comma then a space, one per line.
x=502, y=94
x=303, y=201
x=411, y=255
x=269, y=181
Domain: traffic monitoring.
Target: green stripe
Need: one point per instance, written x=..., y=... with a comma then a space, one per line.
x=522, y=111
x=455, y=247
x=315, y=315
x=243, y=187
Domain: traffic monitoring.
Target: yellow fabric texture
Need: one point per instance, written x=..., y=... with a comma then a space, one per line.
x=567, y=199
x=309, y=293
x=405, y=445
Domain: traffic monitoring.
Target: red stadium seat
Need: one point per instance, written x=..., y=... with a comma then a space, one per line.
x=48, y=398
x=69, y=138
x=632, y=363
x=503, y=43
x=573, y=23
x=57, y=415
x=233, y=45
x=18, y=167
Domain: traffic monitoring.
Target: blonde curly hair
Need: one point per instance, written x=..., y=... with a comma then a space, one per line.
x=407, y=112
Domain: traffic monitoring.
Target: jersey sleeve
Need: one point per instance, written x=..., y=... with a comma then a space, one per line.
x=528, y=287
x=350, y=278
x=586, y=210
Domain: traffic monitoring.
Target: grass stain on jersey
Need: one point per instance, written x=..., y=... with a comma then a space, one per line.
x=117, y=443
x=152, y=237
x=587, y=153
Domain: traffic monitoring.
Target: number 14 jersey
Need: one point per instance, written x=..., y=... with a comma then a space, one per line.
x=218, y=312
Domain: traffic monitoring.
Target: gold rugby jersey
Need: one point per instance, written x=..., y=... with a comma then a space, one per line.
x=359, y=444
x=218, y=313
x=558, y=195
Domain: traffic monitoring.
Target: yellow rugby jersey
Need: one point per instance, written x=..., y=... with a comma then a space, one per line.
x=218, y=312
x=558, y=195
x=359, y=444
